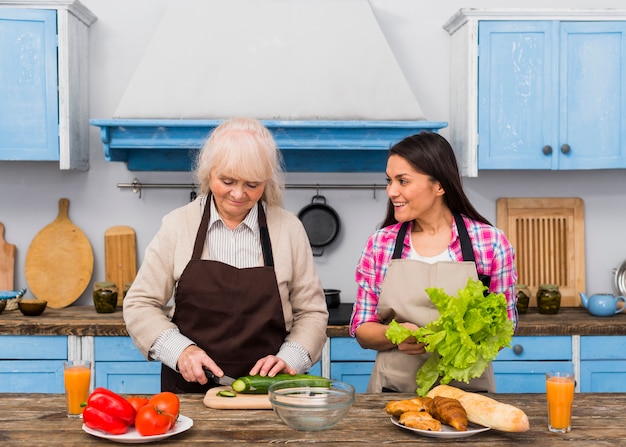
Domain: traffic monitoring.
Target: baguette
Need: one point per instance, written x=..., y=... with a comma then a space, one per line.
x=484, y=410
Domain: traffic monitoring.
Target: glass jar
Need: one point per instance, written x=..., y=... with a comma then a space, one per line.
x=522, y=293
x=548, y=299
x=105, y=297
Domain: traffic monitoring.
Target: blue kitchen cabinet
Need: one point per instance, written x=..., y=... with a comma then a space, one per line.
x=542, y=85
x=527, y=91
x=522, y=367
x=120, y=367
x=603, y=364
x=44, y=83
x=32, y=363
x=350, y=363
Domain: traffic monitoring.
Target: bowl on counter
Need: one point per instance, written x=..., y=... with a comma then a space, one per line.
x=32, y=308
x=307, y=407
x=3, y=304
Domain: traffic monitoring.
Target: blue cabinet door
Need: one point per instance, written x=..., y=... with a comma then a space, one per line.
x=32, y=363
x=356, y=374
x=522, y=367
x=120, y=367
x=542, y=85
x=517, y=107
x=29, y=113
x=603, y=364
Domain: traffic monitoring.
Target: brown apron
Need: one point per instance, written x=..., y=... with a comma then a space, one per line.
x=233, y=314
x=403, y=298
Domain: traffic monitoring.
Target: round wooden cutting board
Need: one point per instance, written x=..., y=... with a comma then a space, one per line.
x=59, y=261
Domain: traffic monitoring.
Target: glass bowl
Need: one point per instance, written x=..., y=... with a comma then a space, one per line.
x=311, y=408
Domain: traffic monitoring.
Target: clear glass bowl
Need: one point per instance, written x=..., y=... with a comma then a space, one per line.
x=311, y=408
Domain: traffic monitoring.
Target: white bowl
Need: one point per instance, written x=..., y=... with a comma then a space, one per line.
x=311, y=408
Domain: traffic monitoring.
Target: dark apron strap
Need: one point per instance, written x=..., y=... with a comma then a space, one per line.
x=466, y=248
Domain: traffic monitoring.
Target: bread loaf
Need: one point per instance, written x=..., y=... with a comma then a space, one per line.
x=484, y=410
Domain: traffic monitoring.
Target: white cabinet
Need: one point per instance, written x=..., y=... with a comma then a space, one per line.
x=538, y=89
x=44, y=93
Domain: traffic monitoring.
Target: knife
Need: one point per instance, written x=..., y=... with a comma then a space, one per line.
x=224, y=380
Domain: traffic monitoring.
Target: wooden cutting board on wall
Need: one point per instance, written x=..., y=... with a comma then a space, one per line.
x=548, y=235
x=59, y=261
x=7, y=262
x=120, y=253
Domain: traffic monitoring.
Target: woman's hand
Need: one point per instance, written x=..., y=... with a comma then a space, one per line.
x=191, y=363
x=270, y=366
x=410, y=346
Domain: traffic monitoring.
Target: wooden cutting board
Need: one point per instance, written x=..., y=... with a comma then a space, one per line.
x=120, y=257
x=240, y=402
x=7, y=262
x=59, y=261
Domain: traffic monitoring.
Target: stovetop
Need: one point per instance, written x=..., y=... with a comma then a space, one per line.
x=340, y=316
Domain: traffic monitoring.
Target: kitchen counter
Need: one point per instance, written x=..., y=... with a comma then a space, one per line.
x=84, y=321
x=40, y=420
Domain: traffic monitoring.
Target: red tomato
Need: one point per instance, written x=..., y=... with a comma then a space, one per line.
x=150, y=421
x=168, y=404
x=137, y=402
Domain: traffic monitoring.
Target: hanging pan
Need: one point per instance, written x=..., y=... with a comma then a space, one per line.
x=321, y=223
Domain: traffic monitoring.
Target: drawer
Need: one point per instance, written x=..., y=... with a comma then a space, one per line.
x=525, y=377
x=610, y=347
x=347, y=348
x=37, y=347
x=129, y=377
x=111, y=349
x=538, y=348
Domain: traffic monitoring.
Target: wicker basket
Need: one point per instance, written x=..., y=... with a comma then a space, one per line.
x=12, y=302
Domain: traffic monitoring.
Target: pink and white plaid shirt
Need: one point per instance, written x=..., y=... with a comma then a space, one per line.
x=494, y=255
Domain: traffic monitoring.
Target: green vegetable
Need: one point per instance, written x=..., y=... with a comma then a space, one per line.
x=226, y=393
x=259, y=385
x=469, y=333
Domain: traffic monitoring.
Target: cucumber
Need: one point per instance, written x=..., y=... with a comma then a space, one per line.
x=259, y=385
x=226, y=393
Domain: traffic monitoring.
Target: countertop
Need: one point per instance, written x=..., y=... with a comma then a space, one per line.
x=84, y=320
x=40, y=420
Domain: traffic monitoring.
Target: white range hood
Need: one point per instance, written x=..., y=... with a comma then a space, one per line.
x=308, y=64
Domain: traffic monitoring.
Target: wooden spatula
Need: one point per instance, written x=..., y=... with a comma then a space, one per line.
x=7, y=262
x=59, y=261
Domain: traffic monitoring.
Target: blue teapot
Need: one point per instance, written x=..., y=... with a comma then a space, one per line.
x=603, y=304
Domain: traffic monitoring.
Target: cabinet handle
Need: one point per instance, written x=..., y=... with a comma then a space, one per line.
x=518, y=349
x=547, y=149
x=565, y=149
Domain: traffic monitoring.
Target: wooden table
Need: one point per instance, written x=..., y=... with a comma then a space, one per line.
x=40, y=420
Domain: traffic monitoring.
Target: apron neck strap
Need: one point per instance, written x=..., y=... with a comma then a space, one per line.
x=266, y=244
x=399, y=247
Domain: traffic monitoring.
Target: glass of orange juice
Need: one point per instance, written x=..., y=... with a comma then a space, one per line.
x=560, y=395
x=77, y=378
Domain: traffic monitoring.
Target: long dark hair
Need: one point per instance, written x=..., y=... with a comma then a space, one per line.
x=431, y=154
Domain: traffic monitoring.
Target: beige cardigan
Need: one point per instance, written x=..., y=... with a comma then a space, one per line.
x=167, y=255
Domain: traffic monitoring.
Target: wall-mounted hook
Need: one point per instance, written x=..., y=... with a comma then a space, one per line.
x=137, y=187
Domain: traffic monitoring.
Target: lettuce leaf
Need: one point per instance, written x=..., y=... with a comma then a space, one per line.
x=469, y=333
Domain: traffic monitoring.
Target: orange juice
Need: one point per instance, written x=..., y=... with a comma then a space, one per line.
x=560, y=395
x=77, y=376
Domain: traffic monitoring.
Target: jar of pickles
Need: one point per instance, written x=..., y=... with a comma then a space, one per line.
x=548, y=299
x=105, y=297
x=522, y=294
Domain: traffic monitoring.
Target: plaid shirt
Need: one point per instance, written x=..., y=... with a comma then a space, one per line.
x=494, y=257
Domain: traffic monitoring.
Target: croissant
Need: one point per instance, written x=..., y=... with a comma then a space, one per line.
x=449, y=411
x=397, y=407
x=420, y=420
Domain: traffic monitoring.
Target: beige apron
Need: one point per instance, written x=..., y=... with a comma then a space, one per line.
x=403, y=298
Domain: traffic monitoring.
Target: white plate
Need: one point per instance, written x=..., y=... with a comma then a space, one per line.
x=446, y=430
x=132, y=437
x=620, y=279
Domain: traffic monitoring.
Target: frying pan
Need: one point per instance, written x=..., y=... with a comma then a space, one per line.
x=321, y=223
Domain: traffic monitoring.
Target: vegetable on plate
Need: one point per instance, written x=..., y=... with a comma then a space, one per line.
x=108, y=412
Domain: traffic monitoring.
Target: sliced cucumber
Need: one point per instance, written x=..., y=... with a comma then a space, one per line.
x=226, y=393
x=259, y=385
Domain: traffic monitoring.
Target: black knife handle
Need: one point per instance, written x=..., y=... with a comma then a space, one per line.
x=209, y=374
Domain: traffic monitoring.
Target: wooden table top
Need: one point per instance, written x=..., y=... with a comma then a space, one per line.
x=40, y=420
x=84, y=320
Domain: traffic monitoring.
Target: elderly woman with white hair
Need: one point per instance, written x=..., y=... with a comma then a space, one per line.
x=247, y=297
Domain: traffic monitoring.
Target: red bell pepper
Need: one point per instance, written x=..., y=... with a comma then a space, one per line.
x=109, y=412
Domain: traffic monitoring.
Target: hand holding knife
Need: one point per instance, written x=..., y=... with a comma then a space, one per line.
x=224, y=380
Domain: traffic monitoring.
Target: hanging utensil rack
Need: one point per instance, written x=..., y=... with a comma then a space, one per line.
x=136, y=186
